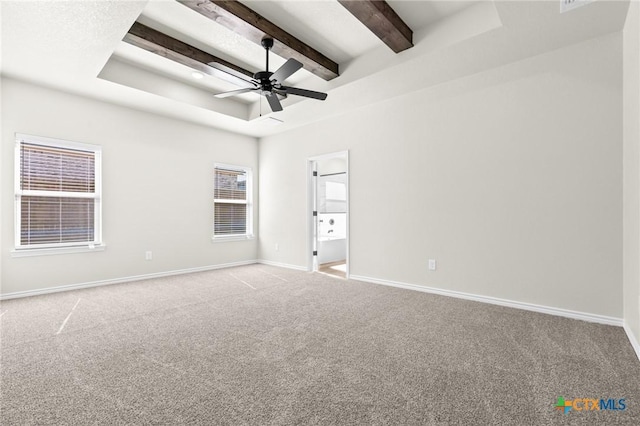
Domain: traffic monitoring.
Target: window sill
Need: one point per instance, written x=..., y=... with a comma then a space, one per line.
x=55, y=250
x=226, y=238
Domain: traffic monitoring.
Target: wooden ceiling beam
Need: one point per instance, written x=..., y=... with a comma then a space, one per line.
x=383, y=21
x=161, y=44
x=252, y=26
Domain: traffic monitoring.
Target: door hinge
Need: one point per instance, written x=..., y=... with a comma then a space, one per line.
x=315, y=173
x=315, y=252
x=315, y=214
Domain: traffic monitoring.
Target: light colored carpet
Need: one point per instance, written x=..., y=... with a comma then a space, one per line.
x=262, y=345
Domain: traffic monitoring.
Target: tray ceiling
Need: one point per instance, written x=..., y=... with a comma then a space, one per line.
x=79, y=47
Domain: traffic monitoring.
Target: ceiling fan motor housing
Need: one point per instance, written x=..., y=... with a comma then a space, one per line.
x=264, y=77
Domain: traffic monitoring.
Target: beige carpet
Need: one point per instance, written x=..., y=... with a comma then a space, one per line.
x=261, y=345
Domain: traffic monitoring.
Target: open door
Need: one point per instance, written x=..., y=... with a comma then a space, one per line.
x=329, y=214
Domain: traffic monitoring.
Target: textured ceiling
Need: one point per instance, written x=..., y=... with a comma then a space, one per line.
x=77, y=46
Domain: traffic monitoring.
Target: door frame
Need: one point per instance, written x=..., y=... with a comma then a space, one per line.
x=312, y=195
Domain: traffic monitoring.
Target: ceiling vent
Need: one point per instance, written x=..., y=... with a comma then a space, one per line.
x=568, y=5
x=272, y=122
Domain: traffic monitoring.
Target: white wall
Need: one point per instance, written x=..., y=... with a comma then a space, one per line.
x=510, y=179
x=631, y=127
x=157, y=188
x=1, y=156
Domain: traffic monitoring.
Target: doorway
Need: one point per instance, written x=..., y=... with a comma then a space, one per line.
x=328, y=214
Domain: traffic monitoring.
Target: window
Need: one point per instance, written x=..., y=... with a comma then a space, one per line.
x=232, y=212
x=57, y=194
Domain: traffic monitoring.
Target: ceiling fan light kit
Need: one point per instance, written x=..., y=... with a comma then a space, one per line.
x=268, y=84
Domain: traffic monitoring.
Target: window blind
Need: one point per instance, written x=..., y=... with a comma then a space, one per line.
x=56, y=196
x=56, y=169
x=230, y=184
x=231, y=201
x=230, y=219
x=50, y=220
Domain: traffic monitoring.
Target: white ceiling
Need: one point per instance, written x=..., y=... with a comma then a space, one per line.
x=77, y=46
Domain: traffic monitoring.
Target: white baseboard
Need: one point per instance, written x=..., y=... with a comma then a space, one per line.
x=584, y=316
x=632, y=339
x=28, y=293
x=283, y=265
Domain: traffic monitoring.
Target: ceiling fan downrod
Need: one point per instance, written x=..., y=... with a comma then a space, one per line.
x=267, y=43
x=264, y=77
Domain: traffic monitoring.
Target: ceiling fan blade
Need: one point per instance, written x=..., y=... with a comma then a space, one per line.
x=274, y=102
x=286, y=70
x=235, y=92
x=229, y=74
x=303, y=92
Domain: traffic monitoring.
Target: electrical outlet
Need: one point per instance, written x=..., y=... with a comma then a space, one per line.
x=148, y=255
x=432, y=264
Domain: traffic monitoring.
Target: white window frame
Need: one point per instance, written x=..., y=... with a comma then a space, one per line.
x=248, y=235
x=58, y=248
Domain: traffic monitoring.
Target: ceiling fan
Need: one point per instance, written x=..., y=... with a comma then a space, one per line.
x=268, y=84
